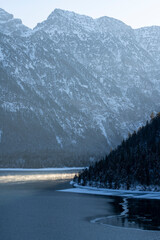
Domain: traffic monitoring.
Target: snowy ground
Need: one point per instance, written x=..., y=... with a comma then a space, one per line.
x=111, y=192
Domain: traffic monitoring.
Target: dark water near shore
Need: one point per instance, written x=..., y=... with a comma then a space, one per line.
x=141, y=214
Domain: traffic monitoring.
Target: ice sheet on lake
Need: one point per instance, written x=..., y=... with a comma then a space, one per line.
x=111, y=192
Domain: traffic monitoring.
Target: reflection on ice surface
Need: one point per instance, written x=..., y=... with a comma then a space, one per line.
x=30, y=175
x=34, y=177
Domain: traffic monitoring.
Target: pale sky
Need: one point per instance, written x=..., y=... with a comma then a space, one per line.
x=136, y=13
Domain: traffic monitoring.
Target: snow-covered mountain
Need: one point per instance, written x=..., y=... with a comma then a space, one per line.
x=72, y=88
x=148, y=38
x=11, y=26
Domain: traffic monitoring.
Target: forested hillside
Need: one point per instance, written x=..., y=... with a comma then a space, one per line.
x=135, y=164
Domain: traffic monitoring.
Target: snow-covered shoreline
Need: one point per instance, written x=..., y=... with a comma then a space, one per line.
x=112, y=192
x=41, y=169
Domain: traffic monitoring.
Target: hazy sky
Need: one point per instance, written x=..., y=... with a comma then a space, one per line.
x=136, y=13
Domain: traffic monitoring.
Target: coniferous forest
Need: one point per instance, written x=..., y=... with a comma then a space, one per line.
x=135, y=164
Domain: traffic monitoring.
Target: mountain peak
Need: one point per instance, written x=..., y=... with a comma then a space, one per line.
x=113, y=25
x=65, y=13
x=5, y=16
x=10, y=25
x=67, y=21
x=57, y=11
x=73, y=17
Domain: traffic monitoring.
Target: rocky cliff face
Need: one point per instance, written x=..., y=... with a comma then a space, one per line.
x=148, y=38
x=72, y=88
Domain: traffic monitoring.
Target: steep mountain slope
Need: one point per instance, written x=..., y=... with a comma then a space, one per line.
x=148, y=38
x=40, y=107
x=134, y=164
x=71, y=89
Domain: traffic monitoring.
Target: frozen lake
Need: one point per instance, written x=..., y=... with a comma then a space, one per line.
x=32, y=208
